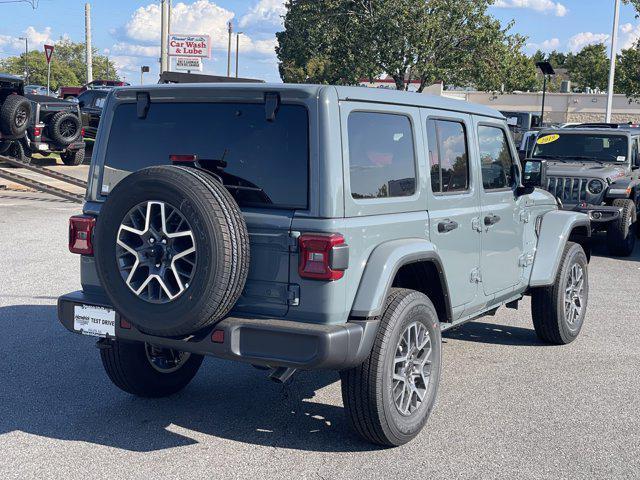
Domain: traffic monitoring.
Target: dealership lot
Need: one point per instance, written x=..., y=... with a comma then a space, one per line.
x=509, y=407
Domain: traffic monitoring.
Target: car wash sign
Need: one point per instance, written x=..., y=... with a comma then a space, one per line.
x=190, y=46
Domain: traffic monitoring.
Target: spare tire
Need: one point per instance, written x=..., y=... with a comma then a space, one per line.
x=64, y=128
x=14, y=115
x=171, y=250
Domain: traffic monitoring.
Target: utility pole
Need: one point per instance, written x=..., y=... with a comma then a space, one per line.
x=612, y=67
x=26, y=59
x=164, y=36
x=230, y=27
x=87, y=39
x=237, y=50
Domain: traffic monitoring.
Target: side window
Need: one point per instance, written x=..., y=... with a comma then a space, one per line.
x=381, y=155
x=498, y=166
x=634, y=152
x=99, y=103
x=448, y=156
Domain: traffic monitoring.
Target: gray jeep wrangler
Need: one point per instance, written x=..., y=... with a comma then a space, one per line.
x=594, y=169
x=312, y=227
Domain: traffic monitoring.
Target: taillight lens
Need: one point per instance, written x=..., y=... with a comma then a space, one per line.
x=323, y=256
x=176, y=158
x=82, y=132
x=81, y=234
x=37, y=131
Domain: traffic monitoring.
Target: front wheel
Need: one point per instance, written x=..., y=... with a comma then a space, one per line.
x=558, y=311
x=621, y=235
x=389, y=398
x=148, y=371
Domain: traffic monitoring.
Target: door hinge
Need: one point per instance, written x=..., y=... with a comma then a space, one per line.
x=525, y=217
x=526, y=259
x=476, y=276
x=293, y=241
x=293, y=295
x=475, y=225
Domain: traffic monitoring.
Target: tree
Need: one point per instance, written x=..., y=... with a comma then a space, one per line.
x=455, y=41
x=628, y=73
x=68, y=66
x=589, y=68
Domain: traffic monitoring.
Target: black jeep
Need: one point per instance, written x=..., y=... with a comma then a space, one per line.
x=15, y=111
x=594, y=169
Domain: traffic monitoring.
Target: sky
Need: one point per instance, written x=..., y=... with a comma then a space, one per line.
x=129, y=31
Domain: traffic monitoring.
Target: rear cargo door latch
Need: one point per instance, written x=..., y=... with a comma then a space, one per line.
x=293, y=295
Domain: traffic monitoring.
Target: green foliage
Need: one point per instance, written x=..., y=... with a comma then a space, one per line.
x=589, y=68
x=68, y=66
x=628, y=73
x=455, y=41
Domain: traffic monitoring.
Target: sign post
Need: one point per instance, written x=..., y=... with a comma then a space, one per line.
x=48, y=52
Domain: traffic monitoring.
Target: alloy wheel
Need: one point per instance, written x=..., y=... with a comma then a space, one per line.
x=574, y=296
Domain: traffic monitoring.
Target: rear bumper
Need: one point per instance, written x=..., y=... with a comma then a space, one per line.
x=268, y=342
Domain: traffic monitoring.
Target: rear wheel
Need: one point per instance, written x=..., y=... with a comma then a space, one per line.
x=621, y=235
x=148, y=371
x=389, y=398
x=17, y=152
x=73, y=158
x=558, y=311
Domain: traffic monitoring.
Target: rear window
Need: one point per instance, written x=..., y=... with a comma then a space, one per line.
x=262, y=163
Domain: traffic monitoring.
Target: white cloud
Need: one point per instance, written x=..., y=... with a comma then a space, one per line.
x=630, y=36
x=13, y=45
x=544, y=6
x=124, y=48
x=546, y=46
x=265, y=11
x=582, y=39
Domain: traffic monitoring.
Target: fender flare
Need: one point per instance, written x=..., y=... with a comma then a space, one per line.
x=555, y=230
x=381, y=268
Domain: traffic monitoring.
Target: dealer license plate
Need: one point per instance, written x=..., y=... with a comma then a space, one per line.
x=94, y=321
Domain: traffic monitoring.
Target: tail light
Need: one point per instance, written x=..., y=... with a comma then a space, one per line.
x=175, y=158
x=37, y=131
x=323, y=256
x=81, y=234
x=82, y=132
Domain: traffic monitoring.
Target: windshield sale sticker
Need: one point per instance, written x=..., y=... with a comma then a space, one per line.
x=548, y=139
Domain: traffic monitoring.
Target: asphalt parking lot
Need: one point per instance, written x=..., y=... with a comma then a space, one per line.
x=509, y=406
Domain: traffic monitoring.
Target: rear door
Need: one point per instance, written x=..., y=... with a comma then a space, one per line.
x=263, y=164
x=454, y=204
x=502, y=213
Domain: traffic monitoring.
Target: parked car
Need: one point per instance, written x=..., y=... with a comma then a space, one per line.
x=66, y=92
x=521, y=122
x=15, y=112
x=55, y=127
x=527, y=144
x=312, y=227
x=595, y=170
x=91, y=103
x=37, y=90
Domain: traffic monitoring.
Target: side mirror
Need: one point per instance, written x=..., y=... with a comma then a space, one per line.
x=533, y=175
x=81, y=103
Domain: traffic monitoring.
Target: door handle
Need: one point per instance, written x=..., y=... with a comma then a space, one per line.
x=491, y=220
x=447, y=226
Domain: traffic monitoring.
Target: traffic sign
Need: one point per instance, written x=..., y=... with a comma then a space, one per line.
x=48, y=51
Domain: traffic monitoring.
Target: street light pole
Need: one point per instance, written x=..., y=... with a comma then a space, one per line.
x=612, y=66
x=230, y=29
x=26, y=59
x=237, y=50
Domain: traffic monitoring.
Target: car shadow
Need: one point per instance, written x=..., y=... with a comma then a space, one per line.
x=53, y=385
x=599, y=248
x=481, y=332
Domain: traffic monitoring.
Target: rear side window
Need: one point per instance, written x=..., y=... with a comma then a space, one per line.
x=262, y=163
x=448, y=156
x=381, y=155
x=498, y=167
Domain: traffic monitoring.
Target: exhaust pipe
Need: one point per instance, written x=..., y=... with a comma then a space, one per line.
x=281, y=374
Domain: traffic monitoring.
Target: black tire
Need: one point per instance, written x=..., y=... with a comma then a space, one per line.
x=73, y=158
x=16, y=151
x=548, y=303
x=64, y=128
x=221, y=242
x=129, y=367
x=621, y=234
x=367, y=390
x=15, y=114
